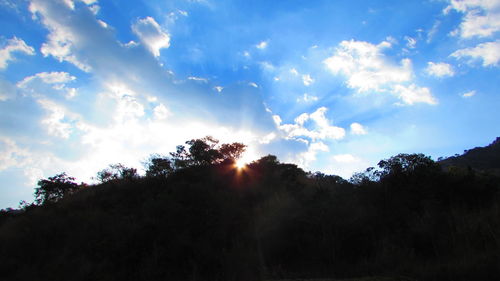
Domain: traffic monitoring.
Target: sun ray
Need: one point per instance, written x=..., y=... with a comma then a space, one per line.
x=240, y=164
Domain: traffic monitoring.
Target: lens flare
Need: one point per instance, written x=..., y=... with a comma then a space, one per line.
x=240, y=164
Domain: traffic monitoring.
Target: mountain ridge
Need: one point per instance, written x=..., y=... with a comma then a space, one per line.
x=483, y=159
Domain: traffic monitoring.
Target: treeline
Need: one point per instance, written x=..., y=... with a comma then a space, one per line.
x=196, y=216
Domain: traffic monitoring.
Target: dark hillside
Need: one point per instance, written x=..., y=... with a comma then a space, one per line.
x=480, y=158
x=408, y=219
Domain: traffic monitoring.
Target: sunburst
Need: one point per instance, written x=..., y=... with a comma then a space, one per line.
x=240, y=164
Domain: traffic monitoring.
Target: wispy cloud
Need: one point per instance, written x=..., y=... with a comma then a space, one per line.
x=307, y=80
x=487, y=52
x=37, y=84
x=198, y=79
x=307, y=98
x=253, y=84
x=411, y=42
x=262, y=45
x=469, y=94
x=151, y=35
x=13, y=45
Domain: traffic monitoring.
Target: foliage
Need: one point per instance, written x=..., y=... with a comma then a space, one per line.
x=407, y=164
x=54, y=188
x=116, y=172
x=158, y=166
x=205, y=151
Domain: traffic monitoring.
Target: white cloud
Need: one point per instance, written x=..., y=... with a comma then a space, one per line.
x=305, y=159
x=481, y=19
x=151, y=35
x=131, y=44
x=198, y=79
x=60, y=40
x=411, y=43
x=262, y=45
x=391, y=40
x=60, y=46
x=344, y=158
x=268, y=138
x=294, y=71
x=301, y=119
x=90, y=2
x=267, y=65
x=439, y=69
x=218, y=88
x=357, y=129
x=58, y=80
x=89, y=46
x=49, y=78
x=11, y=154
x=161, y=112
x=366, y=66
x=413, y=94
x=103, y=23
x=70, y=92
x=321, y=128
x=306, y=78
x=95, y=10
x=32, y=163
x=14, y=45
x=434, y=29
x=55, y=122
x=488, y=52
x=253, y=84
x=127, y=105
x=469, y=94
x=307, y=98
x=69, y=3
x=368, y=69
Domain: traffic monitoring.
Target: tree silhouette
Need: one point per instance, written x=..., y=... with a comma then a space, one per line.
x=205, y=151
x=54, y=188
x=158, y=166
x=116, y=172
x=232, y=151
x=406, y=164
x=181, y=157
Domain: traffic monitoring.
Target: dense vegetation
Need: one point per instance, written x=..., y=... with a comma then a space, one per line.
x=195, y=216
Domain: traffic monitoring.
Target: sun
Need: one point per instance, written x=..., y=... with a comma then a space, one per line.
x=248, y=156
x=240, y=164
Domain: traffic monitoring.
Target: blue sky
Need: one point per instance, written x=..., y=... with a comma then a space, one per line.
x=333, y=86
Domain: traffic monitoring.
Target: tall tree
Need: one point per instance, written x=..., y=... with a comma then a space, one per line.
x=54, y=188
